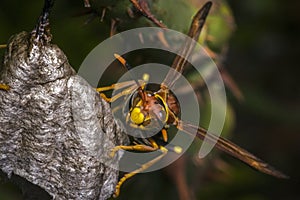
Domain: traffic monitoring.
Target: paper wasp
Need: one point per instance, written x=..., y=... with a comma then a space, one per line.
x=162, y=107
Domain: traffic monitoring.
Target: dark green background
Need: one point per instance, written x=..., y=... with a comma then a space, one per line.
x=263, y=59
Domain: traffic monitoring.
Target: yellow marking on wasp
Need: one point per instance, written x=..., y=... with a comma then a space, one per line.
x=153, y=143
x=146, y=77
x=103, y=96
x=106, y=88
x=138, y=147
x=3, y=46
x=166, y=108
x=177, y=149
x=137, y=116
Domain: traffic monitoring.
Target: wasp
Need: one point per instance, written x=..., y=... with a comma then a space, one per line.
x=161, y=108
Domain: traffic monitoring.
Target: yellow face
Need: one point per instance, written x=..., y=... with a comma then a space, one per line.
x=136, y=116
x=151, y=109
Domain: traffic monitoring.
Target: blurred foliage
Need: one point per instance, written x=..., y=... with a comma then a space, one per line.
x=262, y=57
x=8, y=191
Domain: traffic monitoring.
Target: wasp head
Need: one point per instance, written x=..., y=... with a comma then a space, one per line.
x=148, y=109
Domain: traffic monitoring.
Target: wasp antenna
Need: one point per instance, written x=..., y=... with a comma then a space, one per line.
x=42, y=30
x=120, y=59
x=123, y=61
x=127, y=66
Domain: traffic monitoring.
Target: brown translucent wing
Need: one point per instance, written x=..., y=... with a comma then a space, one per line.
x=188, y=46
x=232, y=149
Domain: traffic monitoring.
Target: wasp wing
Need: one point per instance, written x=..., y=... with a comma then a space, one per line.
x=188, y=46
x=232, y=149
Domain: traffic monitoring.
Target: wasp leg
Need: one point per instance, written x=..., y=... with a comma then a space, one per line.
x=106, y=88
x=3, y=46
x=4, y=87
x=142, y=168
x=117, y=96
x=116, y=86
x=138, y=147
x=164, y=135
x=103, y=96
